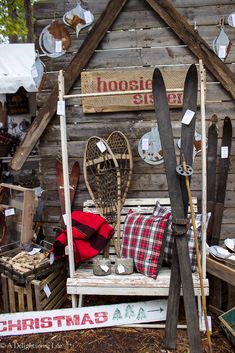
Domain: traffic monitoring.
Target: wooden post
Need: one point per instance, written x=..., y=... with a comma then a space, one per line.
x=27, y=216
x=64, y=149
x=204, y=186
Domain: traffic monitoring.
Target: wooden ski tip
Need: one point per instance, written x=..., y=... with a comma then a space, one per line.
x=192, y=75
x=227, y=120
x=214, y=119
x=159, y=88
x=193, y=67
x=227, y=127
x=157, y=74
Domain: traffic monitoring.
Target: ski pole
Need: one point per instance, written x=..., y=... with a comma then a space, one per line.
x=197, y=254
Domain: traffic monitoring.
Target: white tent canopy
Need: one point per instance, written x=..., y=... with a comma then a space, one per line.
x=16, y=61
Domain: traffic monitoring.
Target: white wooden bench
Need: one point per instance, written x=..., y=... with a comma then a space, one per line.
x=136, y=284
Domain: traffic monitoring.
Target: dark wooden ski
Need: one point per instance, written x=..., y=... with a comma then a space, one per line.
x=186, y=154
x=188, y=130
x=216, y=206
x=183, y=270
x=211, y=172
x=222, y=180
x=74, y=176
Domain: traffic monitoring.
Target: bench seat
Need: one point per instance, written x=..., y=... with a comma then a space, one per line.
x=85, y=282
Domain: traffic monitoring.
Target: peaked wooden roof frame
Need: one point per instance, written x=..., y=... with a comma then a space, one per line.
x=173, y=19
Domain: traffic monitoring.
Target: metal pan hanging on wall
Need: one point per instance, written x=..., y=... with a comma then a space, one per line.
x=231, y=19
x=54, y=40
x=150, y=148
x=37, y=72
x=78, y=18
x=197, y=144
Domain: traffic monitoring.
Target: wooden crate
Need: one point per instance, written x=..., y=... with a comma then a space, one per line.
x=227, y=321
x=22, y=200
x=16, y=298
x=56, y=281
x=31, y=296
x=43, y=269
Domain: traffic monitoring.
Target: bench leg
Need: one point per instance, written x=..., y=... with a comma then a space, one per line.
x=77, y=300
x=80, y=301
x=74, y=300
x=199, y=308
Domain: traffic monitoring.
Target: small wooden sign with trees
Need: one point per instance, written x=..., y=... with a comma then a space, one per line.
x=110, y=91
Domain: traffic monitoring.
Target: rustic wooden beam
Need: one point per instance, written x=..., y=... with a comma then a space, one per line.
x=72, y=72
x=220, y=270
x=195, y=43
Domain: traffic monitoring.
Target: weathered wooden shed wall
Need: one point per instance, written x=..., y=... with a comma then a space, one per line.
x=137, y=38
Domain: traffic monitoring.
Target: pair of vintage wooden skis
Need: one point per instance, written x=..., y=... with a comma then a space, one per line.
x=181, y=268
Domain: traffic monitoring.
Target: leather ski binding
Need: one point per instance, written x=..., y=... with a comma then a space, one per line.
x=179, y=226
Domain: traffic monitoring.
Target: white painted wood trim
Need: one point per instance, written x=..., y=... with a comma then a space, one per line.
x=204, y=167
x=66, y=176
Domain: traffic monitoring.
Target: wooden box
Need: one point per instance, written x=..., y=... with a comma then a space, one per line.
x=227, y=321
x=56, y=282
x=21, y=200
x=32, y=296
x=37, y=270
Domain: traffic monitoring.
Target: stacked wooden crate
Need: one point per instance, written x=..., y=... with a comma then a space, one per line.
x=41, y=287
x=45, y=294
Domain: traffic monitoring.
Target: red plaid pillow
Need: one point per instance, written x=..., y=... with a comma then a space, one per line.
x=143, y=240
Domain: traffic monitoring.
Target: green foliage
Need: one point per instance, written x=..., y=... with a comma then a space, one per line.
x=9, y=25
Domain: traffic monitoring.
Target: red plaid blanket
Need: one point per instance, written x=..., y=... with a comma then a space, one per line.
x=143, y=240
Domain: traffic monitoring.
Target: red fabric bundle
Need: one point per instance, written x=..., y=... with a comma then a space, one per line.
x=91, y=234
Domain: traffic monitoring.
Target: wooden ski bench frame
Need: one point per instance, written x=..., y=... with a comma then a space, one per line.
x=136, y=284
